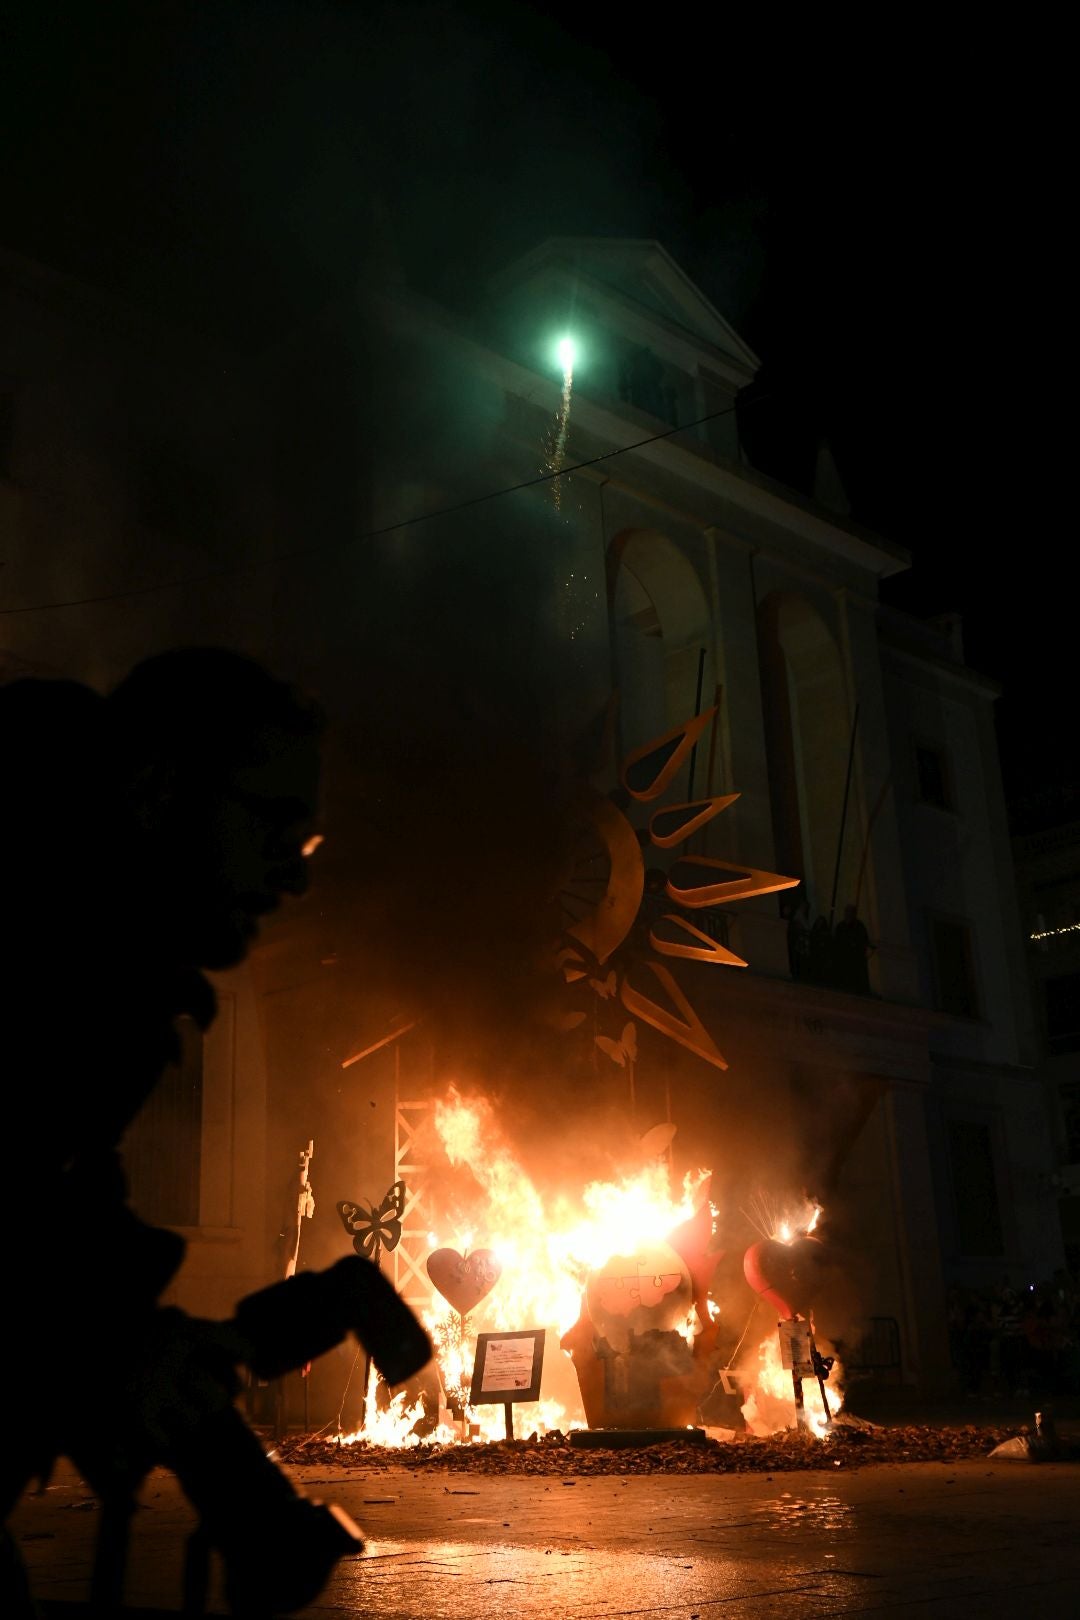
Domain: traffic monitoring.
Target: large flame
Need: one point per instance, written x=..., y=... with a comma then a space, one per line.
x=547, y=1246
x=547, y=1249
x=770, y=1398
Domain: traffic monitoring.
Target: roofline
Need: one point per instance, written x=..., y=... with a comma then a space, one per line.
x=959, y=674
x=754, y=492
x=565, y=246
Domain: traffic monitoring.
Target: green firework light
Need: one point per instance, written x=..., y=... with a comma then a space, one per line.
x=566, y=352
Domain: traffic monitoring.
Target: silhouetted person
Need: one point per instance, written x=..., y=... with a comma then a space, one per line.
x=819, y=956
x=144, y=836
x=851, y=953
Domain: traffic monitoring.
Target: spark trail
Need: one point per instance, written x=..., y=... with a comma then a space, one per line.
x=557, y=441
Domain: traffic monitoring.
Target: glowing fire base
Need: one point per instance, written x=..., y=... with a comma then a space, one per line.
x=633, y=1439
x=619, y=1275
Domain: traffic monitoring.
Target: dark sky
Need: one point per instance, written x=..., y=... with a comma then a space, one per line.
x=870, y=213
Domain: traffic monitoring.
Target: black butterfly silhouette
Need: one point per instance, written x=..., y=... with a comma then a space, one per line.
x=374, y=1229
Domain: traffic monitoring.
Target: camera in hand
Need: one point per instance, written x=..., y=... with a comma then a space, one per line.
x=290, y=1323
x=279, y=1547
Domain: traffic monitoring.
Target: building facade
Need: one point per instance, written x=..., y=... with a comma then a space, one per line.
x=156, y=492
x=1047, y=853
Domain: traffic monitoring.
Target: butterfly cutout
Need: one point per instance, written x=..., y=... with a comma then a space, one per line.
x=374, y=1229
x=604, y=987
x=623, y=1050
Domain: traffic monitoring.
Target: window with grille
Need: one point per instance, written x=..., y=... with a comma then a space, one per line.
x=932, y=777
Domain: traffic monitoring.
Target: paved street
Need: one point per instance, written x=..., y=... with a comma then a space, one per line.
x=974, y=1539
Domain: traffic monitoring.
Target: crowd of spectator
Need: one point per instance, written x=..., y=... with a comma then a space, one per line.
x=1017, y=1341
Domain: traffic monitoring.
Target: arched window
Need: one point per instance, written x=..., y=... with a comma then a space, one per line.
x=807, y=738
x=662, y=639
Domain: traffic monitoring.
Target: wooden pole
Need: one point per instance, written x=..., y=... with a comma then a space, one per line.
x=843, y=815
x=875, y=812
x=801, y=1419
x=710, y=778
x=376, y=1256
x=364, y=1391
x=464, y=1416
x=377, y=1046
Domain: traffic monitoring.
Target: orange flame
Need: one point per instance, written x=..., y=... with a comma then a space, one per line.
x=770, y=1398
x=548, y=1246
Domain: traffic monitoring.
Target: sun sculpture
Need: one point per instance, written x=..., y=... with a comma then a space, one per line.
x=633, y=1364
x=608, y=885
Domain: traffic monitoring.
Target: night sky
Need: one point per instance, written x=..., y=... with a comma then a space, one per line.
x=871, y=214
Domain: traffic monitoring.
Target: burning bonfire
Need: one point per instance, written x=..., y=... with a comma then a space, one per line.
x=618, y=1278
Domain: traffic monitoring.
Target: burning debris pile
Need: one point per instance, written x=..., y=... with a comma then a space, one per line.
x=848, y=1446
x=598, y=1306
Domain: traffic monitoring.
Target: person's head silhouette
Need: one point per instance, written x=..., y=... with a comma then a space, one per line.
x=215, y=765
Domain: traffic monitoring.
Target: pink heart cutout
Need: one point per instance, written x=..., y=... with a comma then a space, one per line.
x=464, y=1282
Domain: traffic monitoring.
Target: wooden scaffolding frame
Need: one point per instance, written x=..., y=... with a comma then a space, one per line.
x=411, y=1114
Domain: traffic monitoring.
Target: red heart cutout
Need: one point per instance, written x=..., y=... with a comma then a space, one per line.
x=464, y=1282
x=785, y=1274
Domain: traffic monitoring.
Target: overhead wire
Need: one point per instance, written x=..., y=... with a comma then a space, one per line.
x=300, y=553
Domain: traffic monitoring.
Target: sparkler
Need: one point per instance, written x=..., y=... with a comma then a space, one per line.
x=566, y=354
x=778, y=1222
x=577, y=595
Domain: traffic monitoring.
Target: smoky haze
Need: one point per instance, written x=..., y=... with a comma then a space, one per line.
x=284, y=148
x=281, y=155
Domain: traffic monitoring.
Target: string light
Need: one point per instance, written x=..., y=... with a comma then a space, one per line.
x=1052, y=933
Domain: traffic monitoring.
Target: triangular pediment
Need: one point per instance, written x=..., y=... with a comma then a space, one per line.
x=641, y=274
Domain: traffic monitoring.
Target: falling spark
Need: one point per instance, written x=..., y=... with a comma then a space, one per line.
x=557, y=452
x=782, y=1224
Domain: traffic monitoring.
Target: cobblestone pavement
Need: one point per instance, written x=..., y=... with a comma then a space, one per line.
x=926, y=1539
